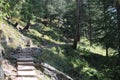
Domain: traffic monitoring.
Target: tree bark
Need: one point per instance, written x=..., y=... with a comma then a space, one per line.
x=16, y=24
x=90, y=24
x=27, y=26
x=105, y=25
x=107, y=50
x=78, y=19
x=118, y=24
x=77, y=30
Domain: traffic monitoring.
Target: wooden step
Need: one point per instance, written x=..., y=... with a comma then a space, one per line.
x=25, y=68
x=27, y=78
x=25, y=63
x=25, y=59
x=26, y=73
x=24, y=55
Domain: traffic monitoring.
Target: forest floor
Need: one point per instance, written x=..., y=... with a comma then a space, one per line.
x=85, y=63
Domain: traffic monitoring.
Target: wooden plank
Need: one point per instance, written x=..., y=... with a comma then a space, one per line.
x=25, y=63
x=25, y=68
x=24, y=55
x=27, y=78
x=26, y=73
x=25, y=59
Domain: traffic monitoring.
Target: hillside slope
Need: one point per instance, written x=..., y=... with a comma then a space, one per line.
x=11, y=38
x=85, y=63
x=11, y=35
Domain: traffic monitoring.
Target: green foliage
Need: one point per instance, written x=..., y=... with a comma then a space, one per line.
x=98, y=20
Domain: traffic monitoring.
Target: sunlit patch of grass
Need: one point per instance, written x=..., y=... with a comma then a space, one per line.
x=98, y=49
x=39, y=32
x=9, y=31
x=35, y=33
x=92, y=74
x=95, y=49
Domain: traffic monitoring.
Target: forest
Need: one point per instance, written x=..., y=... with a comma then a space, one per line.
x=80, y=38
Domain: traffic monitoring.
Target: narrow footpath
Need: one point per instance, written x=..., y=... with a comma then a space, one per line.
x=25, y=65
x=26, y=69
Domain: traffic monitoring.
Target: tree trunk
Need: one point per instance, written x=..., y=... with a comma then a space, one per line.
x=106, y=31
x=90, y=33
x=27, y=26
x=77, y=30
x=75, y=43
x=107, y=50
x=16, y=24
x=90, y=24
x=78, y=19
x=118, y=24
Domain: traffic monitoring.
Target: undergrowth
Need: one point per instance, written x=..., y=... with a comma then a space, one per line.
x=85, y=63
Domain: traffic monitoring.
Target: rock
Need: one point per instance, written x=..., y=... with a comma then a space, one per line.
x=0, y=59
x=1, y=32
x=11, y=40
x=1, y=52
x=3, y=39
x=19, y=49
x=51, y=74
x=9, y=70
x=32, y=50
x=37, y=51
x=54, y=73
x=1, y=74
x=1, y=70
x=29, y=43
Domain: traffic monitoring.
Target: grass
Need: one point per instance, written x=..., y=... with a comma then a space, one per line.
x=85, y=63
x=82, y=64
x=9, y=31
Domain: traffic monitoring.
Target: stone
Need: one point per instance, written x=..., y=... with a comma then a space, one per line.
x=37, y=51
x=3, y=39
x=11, y=40
x=31, y=51
x=29, y=43
x=1, y=31
x=19, y=49
x=1, y=74
x=0, y=59
x=1, y=52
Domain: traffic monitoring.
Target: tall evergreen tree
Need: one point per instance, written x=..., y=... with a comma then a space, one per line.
x=77, y=30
